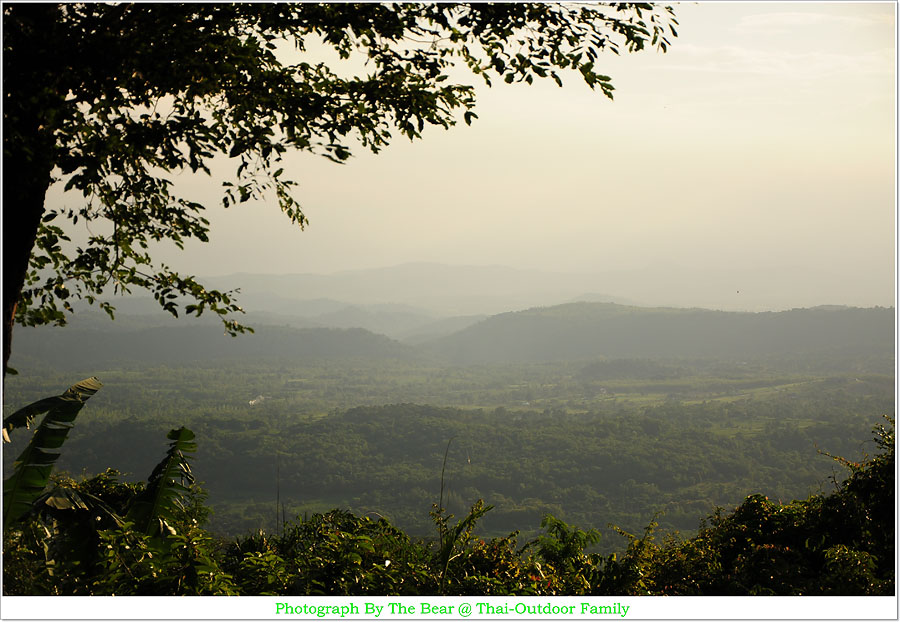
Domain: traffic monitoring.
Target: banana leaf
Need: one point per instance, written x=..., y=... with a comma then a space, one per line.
x=31, y=470
x=155, y=510
x=24, y=417
x=64, y=497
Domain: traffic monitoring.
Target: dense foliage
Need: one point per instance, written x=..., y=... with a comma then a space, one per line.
x=611, y=441
x=647, y=445
x=841, y=543
x=838, y=544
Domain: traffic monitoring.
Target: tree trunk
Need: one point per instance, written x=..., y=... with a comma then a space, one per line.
x=31, y=97
x=24, y=188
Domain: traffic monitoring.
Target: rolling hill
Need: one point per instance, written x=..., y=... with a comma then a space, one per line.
x=591, y=330
x=573, y=331
x=69, y=348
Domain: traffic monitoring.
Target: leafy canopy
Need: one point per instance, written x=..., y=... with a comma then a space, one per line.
x=133, y=95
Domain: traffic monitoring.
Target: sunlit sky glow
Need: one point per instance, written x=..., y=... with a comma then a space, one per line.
x=760, y=147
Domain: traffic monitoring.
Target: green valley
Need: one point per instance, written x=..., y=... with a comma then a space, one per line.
x=296, y=421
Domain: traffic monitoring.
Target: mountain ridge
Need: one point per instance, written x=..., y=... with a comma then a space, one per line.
x=589, y=330
x=571, y=331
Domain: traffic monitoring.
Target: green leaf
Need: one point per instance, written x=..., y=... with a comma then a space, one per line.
x=62, y=498
x=154, y=510
x=24, y=417
x=462, y=527
x=33, y=467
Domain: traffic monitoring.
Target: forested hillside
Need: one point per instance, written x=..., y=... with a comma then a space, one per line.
x=101, y=536
x=582, y=330
x=577, y=331
x=612, y=441
x=178, y=345
x=344, y=418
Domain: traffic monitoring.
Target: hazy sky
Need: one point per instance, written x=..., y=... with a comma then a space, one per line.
x=762, y=144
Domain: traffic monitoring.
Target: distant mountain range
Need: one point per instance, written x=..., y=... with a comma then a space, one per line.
x=574, y=331
x=400, y=322
x=447, y=291
x=417, y=302
x=434, y=289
